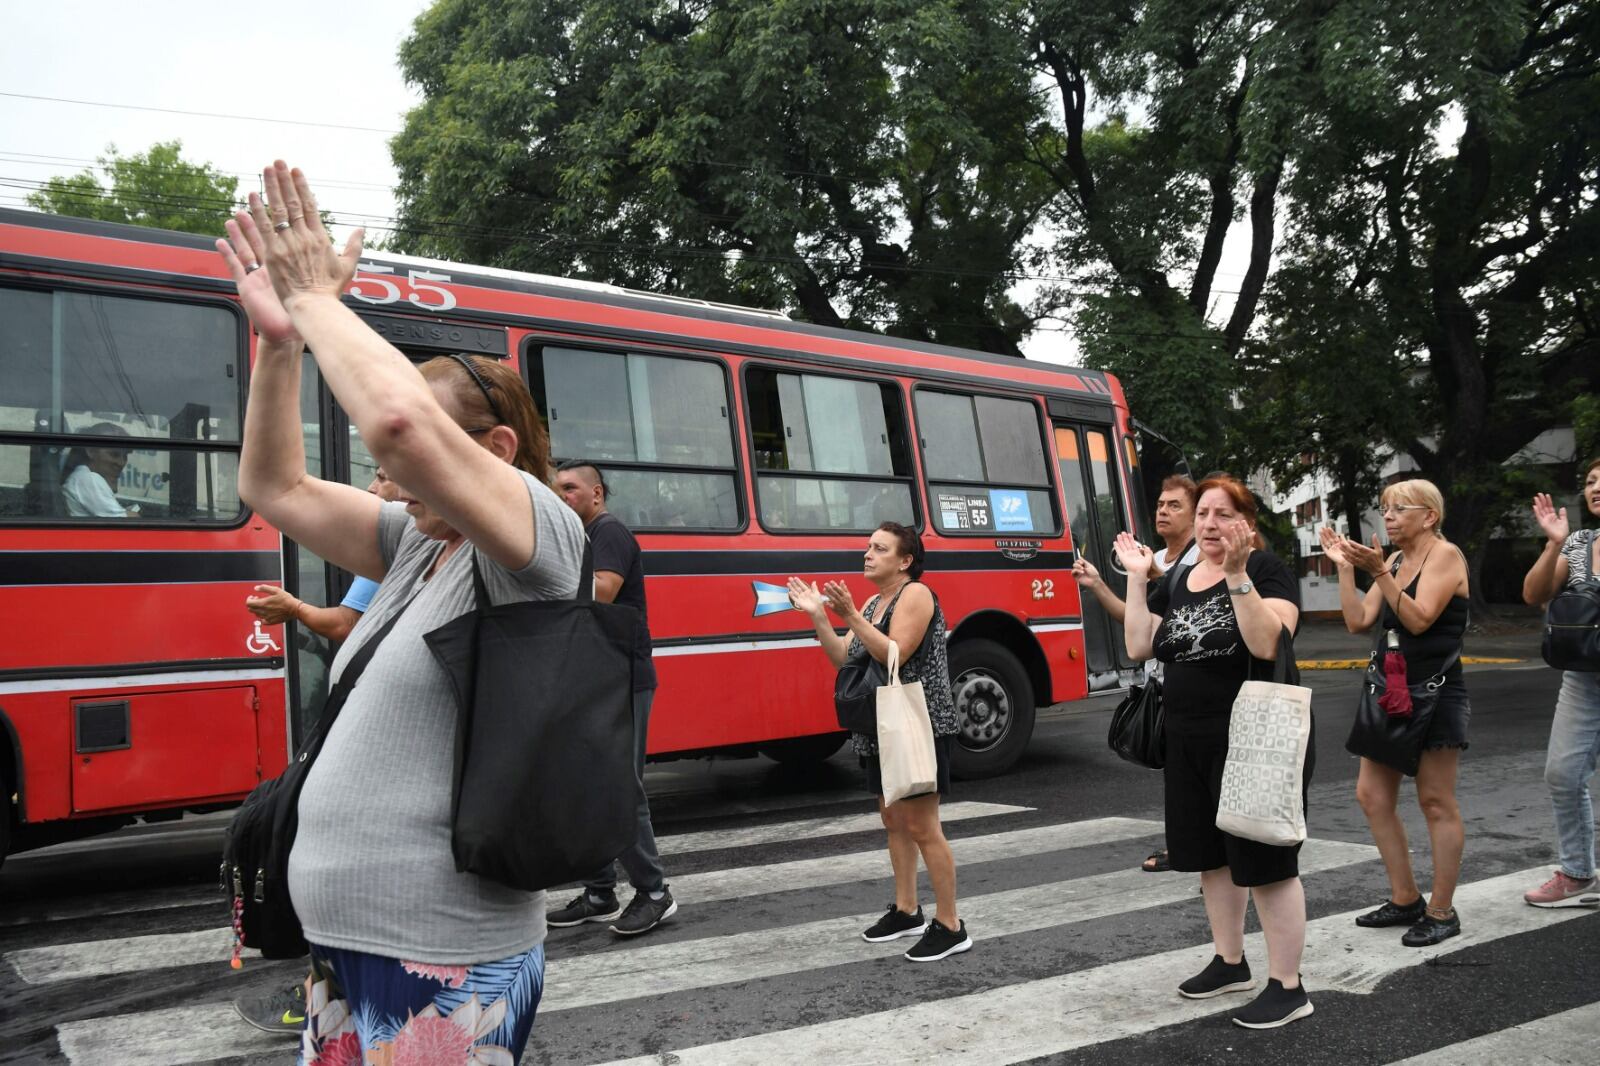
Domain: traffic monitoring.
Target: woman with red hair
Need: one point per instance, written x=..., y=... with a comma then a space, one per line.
x=1218, y=626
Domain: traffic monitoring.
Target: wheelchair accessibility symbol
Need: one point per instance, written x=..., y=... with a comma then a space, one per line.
x=259, y=643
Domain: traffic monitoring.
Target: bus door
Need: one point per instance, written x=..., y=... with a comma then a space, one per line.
x=1091, y=480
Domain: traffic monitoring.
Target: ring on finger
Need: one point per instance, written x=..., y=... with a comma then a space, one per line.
x=281, y=226
x=251, y=268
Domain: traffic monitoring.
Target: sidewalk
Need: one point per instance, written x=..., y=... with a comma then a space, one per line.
x=1326, y=645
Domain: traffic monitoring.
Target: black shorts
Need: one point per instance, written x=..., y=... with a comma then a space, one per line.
x=1450, y=715
x=941, y=751
x=1193, y=778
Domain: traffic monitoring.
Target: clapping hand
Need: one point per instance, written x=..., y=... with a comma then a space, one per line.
x=1363, y=557
x=1333, y=546
x=839, y=600
x=244, y=252
x=1237, y=542
x=1137, y=559
x=1551, y=521
x=299, y=255
x=806, y=598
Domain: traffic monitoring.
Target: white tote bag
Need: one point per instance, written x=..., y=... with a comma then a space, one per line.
x=1263, y=781
x=905, y=736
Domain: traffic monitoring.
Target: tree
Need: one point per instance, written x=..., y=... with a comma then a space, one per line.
x=154, y=188
x=1452, y=192
x=859, y=162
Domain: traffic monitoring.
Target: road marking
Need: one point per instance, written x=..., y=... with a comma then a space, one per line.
x=1566, y=1039
x=95, y=958
x=1122, y=999
x=150, y=899
x=167, y=1037
x=813, y=828
x=659, y=969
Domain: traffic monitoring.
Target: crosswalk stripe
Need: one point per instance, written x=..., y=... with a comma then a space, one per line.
x=169, y=1037
x=65, y=962
x=658, y=969
x=815, y=828
x=1109, y=1002
x=672, y=844
x=1565, y=1039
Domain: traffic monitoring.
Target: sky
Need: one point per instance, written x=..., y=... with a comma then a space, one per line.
x=250, y=82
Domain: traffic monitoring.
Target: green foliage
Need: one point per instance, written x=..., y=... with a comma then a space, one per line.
x=156, y=188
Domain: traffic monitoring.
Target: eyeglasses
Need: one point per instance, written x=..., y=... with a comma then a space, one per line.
x=1396, y=508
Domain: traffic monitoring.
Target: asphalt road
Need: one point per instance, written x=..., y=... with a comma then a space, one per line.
x=111, y=951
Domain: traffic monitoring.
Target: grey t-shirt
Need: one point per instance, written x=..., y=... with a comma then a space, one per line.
x=371, y=868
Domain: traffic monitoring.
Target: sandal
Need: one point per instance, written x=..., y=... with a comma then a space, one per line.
x=1156, y=863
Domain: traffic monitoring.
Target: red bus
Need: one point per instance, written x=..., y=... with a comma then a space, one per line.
x=742, y=448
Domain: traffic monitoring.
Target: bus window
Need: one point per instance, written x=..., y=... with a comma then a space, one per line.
x=986, y=466
x=658, y=427
x=830, y=452
x=103, y=400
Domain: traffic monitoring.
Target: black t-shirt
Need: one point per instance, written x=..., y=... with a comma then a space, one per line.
x=1199, y=641
x=617, y=551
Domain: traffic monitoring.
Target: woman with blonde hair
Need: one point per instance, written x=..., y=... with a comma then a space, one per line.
x=1419, y=596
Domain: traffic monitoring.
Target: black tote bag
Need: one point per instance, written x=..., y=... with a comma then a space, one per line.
x=1138, y=727
x=855, y=687
x=545, y=790
x=1395, y=741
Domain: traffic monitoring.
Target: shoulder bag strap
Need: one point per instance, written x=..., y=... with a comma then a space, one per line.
x=354, y=669
x=585, y=593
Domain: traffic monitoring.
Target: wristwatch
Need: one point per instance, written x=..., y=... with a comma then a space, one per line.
x=1242, y=590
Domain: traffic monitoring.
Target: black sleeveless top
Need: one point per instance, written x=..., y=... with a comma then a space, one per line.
x=1425, y=652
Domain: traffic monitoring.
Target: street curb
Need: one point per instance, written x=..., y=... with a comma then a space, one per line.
x=1360, y=664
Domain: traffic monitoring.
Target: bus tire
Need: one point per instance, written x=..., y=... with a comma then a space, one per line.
x=803, y=751
x=994, y=708
x=6, y=814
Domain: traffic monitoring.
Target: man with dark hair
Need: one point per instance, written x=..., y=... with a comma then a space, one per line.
x=619, y=578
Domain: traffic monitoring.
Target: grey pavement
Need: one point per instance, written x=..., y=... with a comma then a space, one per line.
x=1515, y=634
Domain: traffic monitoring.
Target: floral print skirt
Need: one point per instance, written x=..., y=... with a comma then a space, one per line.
x=368, y=1010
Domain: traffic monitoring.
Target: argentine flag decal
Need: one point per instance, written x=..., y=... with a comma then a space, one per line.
x=770, y=599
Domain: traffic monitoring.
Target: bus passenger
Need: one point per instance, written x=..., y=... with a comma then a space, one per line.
x=90, y=477
x=1175, y=526
x=395, y=930
x=1229, y=609
x=893, y=563
x=619, y=578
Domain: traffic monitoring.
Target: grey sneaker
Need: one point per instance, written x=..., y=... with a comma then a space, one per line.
x=644, y=914
x=283, y=1011
x=585, y=908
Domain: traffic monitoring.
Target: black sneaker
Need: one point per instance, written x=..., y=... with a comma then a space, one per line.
x=938, y=942
x=1275, y=1006
x=283, y=1011
x=644, y=914
x=1391, y=913
x=585, y=909
x=896, y=924
x=1218, y=977
x=1430, y=930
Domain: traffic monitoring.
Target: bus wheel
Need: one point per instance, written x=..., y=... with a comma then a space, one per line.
x=994, y=708
x=800, y=751
x=5, y=817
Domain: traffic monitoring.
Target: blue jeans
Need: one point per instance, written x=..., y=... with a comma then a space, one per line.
x=641, y=861
x=1569, y=764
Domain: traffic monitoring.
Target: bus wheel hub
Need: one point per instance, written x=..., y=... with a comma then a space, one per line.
x=983, y=709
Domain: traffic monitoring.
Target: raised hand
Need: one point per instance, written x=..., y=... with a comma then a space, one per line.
x=1137, y=559
x=839, y=600
x=245, y=253
x=1551, y=521
x=1236, y=546
x=299, y=253
x=806, y=598
x=1085, y=573
x=1333, y=546
x=1363, y=557
x=272, y=604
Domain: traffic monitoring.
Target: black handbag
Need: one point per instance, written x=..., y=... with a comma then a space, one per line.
x=255, y=849
x=1138, y=732
x=1395, y=741
x=855, y=688
x=1572, y=629
x=1138, y=725
x=544, y=787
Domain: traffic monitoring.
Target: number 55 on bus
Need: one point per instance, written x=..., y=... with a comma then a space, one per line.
x=742, y=447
